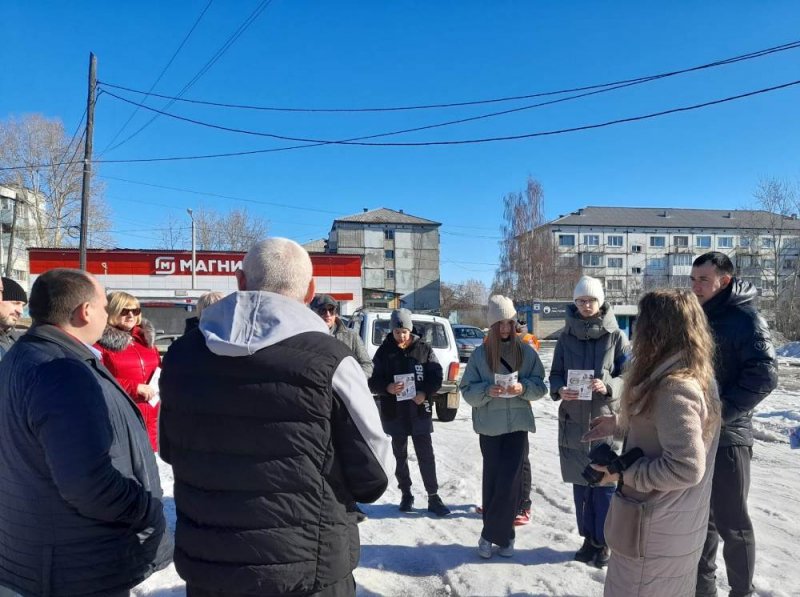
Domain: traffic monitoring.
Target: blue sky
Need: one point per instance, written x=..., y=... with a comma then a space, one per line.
x=301, y=53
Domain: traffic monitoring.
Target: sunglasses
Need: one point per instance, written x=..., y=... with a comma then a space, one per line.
x=324, y=310
x=126, y=312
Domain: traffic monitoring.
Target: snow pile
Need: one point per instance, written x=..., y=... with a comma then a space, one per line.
x=420, y=555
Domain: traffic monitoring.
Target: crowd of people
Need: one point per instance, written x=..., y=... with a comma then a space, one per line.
x=266, y=410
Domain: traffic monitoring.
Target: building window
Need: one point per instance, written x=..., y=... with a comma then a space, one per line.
x=658, y=242
x=681, y=282
x=566, y=240
x=680, y=241
x=789, y=263
x=614, y=285
x=567, y=260
x=725, y=242
x=767, y=242
x=592, y=240
x=636, y=270
x=682, y=259
x=769, y=263
x=390, y=274
x=389, y=254
x=615, y=262
x=636, y=248
x=615, y=240
x=747, y=261
x=657, y=262
x=703, y=242
x=745, y=242
x=388, y=234
x=591, y=260
x=791, y=243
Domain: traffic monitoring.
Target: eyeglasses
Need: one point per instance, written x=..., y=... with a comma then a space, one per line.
x=328, y=309
x=135, y=312
x=585, y=302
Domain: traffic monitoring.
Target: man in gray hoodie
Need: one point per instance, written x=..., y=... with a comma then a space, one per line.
x=272, y=431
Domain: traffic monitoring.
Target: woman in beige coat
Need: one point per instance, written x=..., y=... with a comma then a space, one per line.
x=657, y=523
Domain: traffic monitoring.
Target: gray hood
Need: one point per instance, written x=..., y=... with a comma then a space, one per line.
x=245, y=322
x=590, y=329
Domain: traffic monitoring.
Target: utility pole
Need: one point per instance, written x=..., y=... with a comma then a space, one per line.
x=87, y=158
x=194, y=253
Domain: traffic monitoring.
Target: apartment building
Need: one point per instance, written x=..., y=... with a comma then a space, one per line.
x=400, y=256
x=18, y=222
x=636, y=249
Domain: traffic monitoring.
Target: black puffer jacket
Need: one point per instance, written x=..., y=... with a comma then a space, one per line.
x=267, y=420
x=80, y=498
x=405, y=417
x=745, y=364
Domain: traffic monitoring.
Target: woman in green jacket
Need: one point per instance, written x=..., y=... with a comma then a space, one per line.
x=502, y=377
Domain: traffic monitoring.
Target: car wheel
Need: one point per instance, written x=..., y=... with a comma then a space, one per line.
x=444, y=414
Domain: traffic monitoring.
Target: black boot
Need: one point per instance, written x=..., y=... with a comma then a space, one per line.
x=406, y=502
x=602, y=556
x=587, y=551
x=436, y=506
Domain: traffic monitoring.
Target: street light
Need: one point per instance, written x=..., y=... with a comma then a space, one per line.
x=194, y=255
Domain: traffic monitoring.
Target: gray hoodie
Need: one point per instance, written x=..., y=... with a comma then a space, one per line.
x=244, y=322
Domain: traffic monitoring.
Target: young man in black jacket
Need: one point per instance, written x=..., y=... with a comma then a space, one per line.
x=80, y=508
x=272, y=432
x=746, y=373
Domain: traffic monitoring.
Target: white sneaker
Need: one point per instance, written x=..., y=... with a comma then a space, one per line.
x=484, y=548
x=507, y=552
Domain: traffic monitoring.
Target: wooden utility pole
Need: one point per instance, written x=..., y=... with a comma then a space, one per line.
x=87, y=158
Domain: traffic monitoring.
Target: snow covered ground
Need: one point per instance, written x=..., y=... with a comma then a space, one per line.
x=420, y=555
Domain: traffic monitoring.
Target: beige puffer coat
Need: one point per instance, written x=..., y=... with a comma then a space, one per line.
x=657, y=523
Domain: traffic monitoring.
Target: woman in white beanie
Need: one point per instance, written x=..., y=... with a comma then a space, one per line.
x=591, y=341
x=502, y=377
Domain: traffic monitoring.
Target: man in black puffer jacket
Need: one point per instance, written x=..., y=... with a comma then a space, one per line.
x=746, y=373
x=272, y=431
x=80, y=505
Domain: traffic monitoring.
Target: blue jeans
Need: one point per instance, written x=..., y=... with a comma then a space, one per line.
x=591, y=508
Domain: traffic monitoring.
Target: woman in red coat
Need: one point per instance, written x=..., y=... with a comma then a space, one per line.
x=129, y=353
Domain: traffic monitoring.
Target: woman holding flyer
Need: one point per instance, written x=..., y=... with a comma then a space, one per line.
x=128, y=352
x=406, y=375
x=502, y=377
x=585, y=377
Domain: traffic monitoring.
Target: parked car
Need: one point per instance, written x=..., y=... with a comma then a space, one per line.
x=372, y=326
x=468, y=338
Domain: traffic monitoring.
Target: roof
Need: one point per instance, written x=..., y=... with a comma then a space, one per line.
x=315, y=246
x=668, y=217
x=385, y=216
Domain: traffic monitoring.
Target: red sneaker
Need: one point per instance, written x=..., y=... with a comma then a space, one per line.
x=523, y=517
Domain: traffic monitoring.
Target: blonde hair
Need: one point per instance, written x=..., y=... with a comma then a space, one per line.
x=671, y=322
x=493, y=349
x=208, y=299
x=117, y=301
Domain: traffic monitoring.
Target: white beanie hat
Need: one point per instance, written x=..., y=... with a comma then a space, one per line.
x=588, y=286
x=500, y=308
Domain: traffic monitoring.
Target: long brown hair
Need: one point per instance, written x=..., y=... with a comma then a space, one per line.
x=671, y=322
x=493, y=350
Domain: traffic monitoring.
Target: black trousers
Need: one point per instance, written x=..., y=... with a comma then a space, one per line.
x=344, y=588
x=502, y=484
x=423, y=446
x=525, y=496
x=730, y=521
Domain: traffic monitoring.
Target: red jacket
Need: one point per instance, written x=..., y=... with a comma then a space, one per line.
x=132, y=358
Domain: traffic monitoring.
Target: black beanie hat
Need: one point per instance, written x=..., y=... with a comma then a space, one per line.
x=12, y=291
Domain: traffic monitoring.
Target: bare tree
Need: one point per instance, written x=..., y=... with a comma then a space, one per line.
x=530, y=266
x=234, y=230
x=48, y=172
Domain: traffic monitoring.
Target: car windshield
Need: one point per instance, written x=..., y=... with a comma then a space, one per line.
x=433, y=333
x=468, y=333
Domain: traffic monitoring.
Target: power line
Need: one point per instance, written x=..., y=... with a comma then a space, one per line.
x=749, y=56
x=440, y=143
x=160, y=75
x=206, y=67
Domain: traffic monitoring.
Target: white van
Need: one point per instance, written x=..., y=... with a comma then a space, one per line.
x=372, y=326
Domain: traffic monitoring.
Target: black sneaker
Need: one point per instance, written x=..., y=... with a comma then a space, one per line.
x=406, y=503
x=587, y=552
x=361, y=516
x=602, y=556
x=436, y=506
